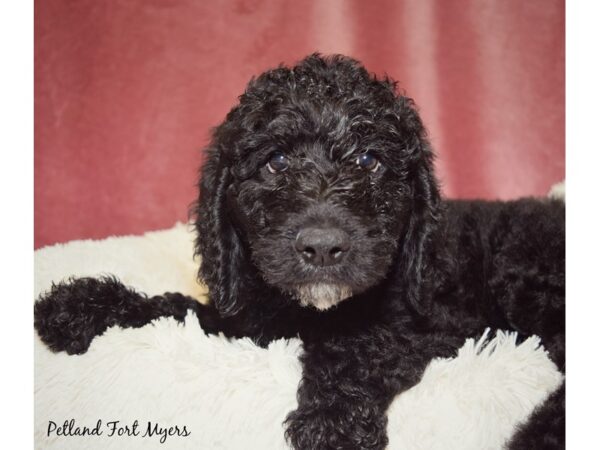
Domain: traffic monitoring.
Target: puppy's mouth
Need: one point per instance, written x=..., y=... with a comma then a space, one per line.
x=322, y=295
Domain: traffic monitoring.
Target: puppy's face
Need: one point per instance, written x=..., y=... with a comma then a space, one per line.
x=322, y=184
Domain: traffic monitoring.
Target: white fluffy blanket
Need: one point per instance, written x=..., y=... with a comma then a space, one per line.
x=231, y=394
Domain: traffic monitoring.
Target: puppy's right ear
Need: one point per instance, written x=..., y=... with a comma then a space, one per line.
x=217, y=241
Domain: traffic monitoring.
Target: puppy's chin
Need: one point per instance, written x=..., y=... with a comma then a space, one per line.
x=322, y=296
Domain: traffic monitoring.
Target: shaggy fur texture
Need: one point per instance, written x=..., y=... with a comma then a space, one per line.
x=424, y=273
x=232, y=394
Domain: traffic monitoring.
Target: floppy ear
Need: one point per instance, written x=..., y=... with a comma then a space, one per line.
x=217, y=241
x=417, y=249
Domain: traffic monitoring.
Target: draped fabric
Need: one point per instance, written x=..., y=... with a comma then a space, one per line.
x=126, y=92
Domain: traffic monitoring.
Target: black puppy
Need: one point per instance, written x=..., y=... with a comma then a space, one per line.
x=320, y=216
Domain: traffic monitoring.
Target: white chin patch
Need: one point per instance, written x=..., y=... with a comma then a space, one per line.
x=322, y=295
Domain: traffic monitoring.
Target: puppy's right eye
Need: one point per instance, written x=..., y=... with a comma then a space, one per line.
x=369, y=162
x=278, y=162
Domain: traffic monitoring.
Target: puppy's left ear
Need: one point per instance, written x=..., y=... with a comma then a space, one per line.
x=417, y=249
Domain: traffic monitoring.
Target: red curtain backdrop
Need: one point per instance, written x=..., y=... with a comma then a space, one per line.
x=126, y=92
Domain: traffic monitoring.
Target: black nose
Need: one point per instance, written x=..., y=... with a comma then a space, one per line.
x=322, y=246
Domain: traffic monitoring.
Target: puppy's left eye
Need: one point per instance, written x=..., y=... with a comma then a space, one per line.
x=368, y=162
x=278, y=162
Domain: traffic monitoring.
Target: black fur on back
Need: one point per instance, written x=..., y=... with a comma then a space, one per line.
x=424, y=273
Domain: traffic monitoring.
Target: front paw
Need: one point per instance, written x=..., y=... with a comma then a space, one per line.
x=347, y=427
x=71, y=314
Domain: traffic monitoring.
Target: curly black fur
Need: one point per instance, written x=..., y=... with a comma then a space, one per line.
x=72, y=313
x=424, y=274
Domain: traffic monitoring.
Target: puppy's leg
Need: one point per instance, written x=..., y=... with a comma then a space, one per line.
x=349, y=382
x=540, y=311
x=72, y=313
x=545, y=428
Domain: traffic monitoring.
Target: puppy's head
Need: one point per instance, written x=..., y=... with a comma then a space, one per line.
x=315, y=184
